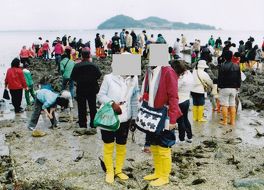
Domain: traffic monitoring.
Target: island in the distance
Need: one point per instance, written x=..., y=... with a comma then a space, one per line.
x=122, y=21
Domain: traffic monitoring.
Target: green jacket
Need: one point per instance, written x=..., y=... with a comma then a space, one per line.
x=28, y=77
x=66, y=70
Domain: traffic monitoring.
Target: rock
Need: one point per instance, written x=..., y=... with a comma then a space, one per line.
x=218, y=155
x=41, y=160
x=198, y=181
x=246, y=182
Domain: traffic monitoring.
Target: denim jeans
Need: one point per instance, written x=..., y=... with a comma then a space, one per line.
x=184, y=125
x=58, y=60
x=65, y=83
x=36, y=113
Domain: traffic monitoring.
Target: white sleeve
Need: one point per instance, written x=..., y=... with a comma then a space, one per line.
x=102, y=95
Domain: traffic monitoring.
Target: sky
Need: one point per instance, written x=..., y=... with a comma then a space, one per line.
x=88, y=14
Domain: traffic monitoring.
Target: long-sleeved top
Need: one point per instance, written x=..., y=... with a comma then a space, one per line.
x=166, y=92
x=24, y=53
x=66, y=67
x=46, y=97
x=98, y=42
x=58, y=49
x=15, y=79
x=28, y=77
x=198, y=85
x=161, y=40
x=86, y=74
x=129, y=40
x=176, y=48
x=229, y=75
x=185, y=85
x=121, y=89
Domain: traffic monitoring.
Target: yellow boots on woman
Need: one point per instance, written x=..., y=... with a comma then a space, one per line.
x=198, y=114
x=162, y=164
x=108, y=160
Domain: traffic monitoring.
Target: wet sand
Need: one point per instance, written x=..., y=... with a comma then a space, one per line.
x=62, y=160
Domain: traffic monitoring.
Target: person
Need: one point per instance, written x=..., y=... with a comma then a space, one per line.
x=233, y=48
x=183, y=41
x=218, y=45
x=46, y=100
x=196, y=48
x=160, y=39
x=249, y=44
x=185, y=85
x=229, y=81
x=31, y=53
x=30, y=85
x=66, y=67
x=24, y=56
x=58, y=50
x=251, y=55
x=64, y=40
x=73, y=43
x=115, y=44
x=206, y=54
x=86, y=75
x=129, y=41
x=122, y=40
x=36, y=45
x=46, y=50
x=162, y=83
x=98, y=45
x=176, y=47
x=262, y=46
x=200, y=78
x=104, y=42
x=118, y=89
x=134, y=38
x=15, y=82
x=211, y=41
x=142, y=39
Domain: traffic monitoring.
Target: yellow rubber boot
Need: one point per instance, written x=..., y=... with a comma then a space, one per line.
x=120, y=158
x=157, y=164
x=232, y=115
x=165, y=157
x=200, y=114
x=195, y=113
x=224, y=114
x=108, y=160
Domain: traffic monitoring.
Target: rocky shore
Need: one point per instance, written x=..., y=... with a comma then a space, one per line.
x=225, y=158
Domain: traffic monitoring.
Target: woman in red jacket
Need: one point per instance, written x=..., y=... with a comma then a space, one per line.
x=162, y=90
x=15, y=82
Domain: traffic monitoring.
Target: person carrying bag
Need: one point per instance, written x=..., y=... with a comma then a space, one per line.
x=121, y=93
x=162, y=93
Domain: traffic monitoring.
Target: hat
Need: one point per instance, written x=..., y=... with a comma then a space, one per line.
x=202, y=64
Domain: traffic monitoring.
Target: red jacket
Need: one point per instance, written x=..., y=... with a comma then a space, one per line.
x=24, y=53
x=15, y=79
x=167, y=93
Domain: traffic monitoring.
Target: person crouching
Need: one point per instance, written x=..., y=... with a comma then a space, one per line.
x=46, y=100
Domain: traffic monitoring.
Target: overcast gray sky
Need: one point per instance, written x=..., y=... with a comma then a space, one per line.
x=88, y=14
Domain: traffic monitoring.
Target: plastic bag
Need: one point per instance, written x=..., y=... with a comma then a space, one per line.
x=106, y=118
x=6, y=95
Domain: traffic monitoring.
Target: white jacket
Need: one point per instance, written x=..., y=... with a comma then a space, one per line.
x=115, y=88
x=198, y=87
x=185, y=85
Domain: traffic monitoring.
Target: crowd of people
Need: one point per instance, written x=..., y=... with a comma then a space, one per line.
x=169, y=87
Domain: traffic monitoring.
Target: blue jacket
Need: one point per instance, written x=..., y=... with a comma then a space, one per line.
x=46, y=97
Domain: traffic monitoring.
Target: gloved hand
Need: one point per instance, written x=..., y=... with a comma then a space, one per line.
x=116, y=108
x=132, y=125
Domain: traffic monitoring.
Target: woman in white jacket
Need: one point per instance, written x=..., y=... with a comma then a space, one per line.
x=201, y=78
x=123, y=92
x=185, y=85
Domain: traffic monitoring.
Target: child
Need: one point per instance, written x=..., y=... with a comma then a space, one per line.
x=46, y=100
x=30, y=85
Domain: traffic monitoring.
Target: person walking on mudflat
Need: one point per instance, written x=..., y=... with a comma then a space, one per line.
x=86, y=75
x=229, y=81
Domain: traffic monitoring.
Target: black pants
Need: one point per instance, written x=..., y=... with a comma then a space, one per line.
x=165, y=139
x=184, y=125
x=120, y=136
x=25, y=61
x=16, y=98
x=82, y=99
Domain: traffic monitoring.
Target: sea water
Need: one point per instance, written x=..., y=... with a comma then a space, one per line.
x=12, y=41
